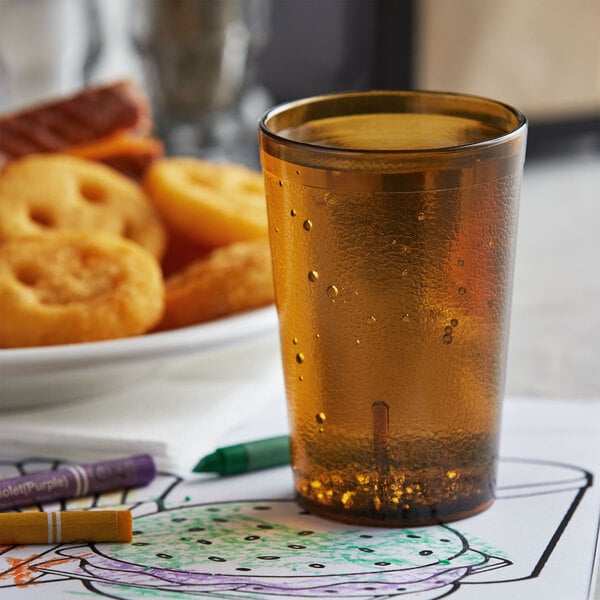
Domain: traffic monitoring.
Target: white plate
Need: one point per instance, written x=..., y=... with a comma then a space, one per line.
x=54, y=374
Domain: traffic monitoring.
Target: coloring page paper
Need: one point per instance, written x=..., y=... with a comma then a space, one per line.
x=245, y=537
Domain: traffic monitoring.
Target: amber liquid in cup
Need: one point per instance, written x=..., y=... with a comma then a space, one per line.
x=393, y=273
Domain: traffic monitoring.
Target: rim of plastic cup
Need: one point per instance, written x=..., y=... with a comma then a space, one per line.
x=506, y=137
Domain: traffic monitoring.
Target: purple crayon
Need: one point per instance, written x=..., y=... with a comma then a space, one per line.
x=76, y=480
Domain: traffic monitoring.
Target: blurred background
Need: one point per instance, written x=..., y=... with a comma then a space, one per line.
x=212, y=67
x=228, y=60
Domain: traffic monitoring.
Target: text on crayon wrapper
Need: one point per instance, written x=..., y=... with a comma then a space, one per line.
x=27, y=487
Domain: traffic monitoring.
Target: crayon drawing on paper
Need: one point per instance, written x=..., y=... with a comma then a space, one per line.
x=270, y=548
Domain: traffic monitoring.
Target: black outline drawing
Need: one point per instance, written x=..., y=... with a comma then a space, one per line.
x=46, y=567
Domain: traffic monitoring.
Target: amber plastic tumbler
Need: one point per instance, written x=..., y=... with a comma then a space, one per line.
x=392, y=219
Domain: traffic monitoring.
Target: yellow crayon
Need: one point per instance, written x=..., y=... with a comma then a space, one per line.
x=66, y=526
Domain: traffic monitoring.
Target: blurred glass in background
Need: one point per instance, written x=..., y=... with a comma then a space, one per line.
x=198, y=63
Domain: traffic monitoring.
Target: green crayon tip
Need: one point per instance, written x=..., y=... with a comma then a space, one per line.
x=211, y=463
x=251, y=456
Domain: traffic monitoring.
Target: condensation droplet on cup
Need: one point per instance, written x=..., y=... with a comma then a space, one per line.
x=295, y=341
x=460, y=262
x=321, y=418
x=317, y=336
x=357, y=342
x=313, y=276
x=490, y=303
x=454, y=322
x=447, y=339
x=332, y=292
x=297, y=171
x=462, y=291
x=405, y=249
x=307, y=225
x=300, y=378
x=300, y=358
x=421, y=216
x=293, y=212
x=405, y=318
x=371, y=320
x=404, y=272
x=448, y=329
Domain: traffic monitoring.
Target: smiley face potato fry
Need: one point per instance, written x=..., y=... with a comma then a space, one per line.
x=210, y=203
x=70, y=287
x=54, y=192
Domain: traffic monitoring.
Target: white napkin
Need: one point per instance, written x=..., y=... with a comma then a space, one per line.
x=177, y=418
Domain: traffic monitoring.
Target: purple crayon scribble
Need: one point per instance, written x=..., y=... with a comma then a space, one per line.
x=273, y=549
x=102, y=570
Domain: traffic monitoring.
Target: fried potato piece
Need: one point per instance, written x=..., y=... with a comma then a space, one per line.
x=70, y=287
x=128, y=153
x=54, y=192
x=212, y=204
x=228, y=280
x=180, y=253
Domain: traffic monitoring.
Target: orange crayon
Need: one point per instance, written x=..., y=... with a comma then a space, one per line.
x=66, y=526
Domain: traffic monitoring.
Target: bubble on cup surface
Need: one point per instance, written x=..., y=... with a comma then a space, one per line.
x=332, y=292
